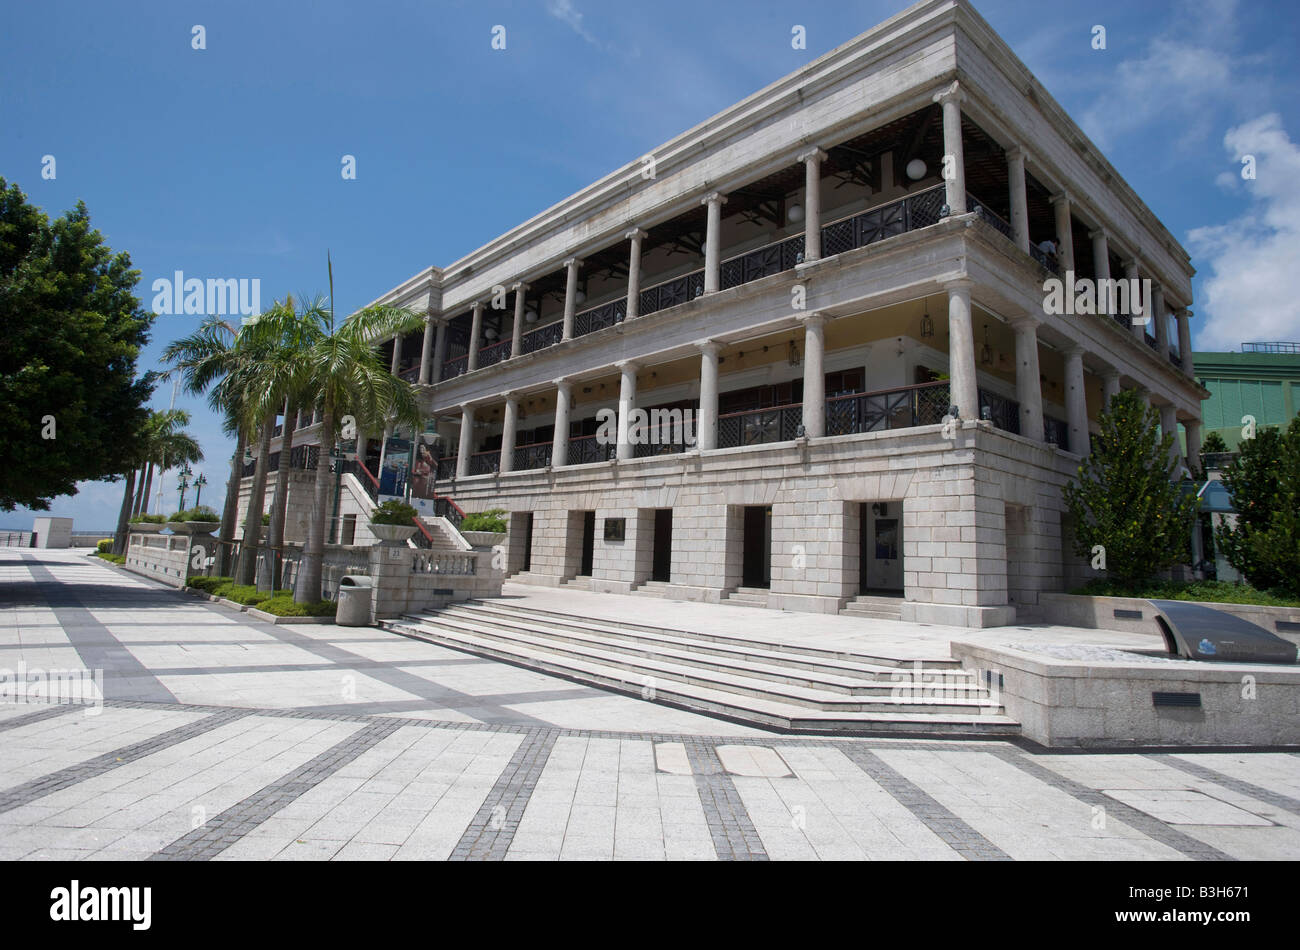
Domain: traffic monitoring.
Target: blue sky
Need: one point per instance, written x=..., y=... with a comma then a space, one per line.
x=225, y=162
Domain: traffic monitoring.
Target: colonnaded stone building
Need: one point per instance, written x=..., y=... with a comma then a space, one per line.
x=842, y=278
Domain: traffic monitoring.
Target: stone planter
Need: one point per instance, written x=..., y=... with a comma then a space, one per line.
x=392, y=533
x=193, y=527
x=484, y=539
x=145, y=527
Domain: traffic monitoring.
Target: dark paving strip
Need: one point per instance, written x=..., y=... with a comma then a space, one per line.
x=433, y=693
x=75, y=774
x=125, y=677
x=1150, y=826
x=734, y=836
x=1276, y=799
x=958, y=835
x=489, y=835
x=17, y=722
x=220, y=832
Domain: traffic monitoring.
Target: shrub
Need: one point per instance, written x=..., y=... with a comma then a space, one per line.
x=208, y=585
x=393, y=512
x=245, y=594
x=490, y=520
x=1221, y=592
x=105, y=546
x=266, y=520
x=282, y=605
x=1264, y=482
x=149, y=519
x=202, y=513
x=110, y=556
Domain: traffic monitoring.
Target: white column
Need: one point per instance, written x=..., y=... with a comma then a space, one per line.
x=626, y=403
x=1161, y=320
x=812, y=228
x=707, y=424
x=1064, y=234
x=814, y=375
x=1101, y=268
x=571, y=266
x=560, y=440
x=1137, y=306
x=1185, y=341
x=517, y=331
x=466, y=440
x=1076, y=401
x=508, y=433
x=954, y=155
x=1029, y=391
x=713, y=242
x=426, y=350
x=475, y=334
x=439, y=352
x=1109, y=387
x=636, y=236
x=963, y=383
x=397, y=354
x=1193, y=429
x=1019, y=198
x=1169, y=426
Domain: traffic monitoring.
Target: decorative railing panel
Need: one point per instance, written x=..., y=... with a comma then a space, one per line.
x=455, y=367
x=446, y=468
x=759, y=426
x=462, y=564
x=1001, y=411
x=1056, y=432
x=496, y=353
x=537, y=455
x=599, y=318
x=485, y=463
x=903, y=408
x=587, y=449
x=542, y=337
x=444, y=507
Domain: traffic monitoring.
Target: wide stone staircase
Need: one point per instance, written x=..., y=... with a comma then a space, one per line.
x=784, y=686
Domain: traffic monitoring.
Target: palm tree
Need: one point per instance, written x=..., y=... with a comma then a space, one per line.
x=343, y=370
x=163, y=442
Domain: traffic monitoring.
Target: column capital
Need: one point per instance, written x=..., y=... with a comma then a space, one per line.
x=479, y=305
x=714, y=196
x=635, y=234
x=1132, y=263
x=952, y=94
x=813, y=154
x=467, y=408
x=708, y=346
x=564, y=384
x=1109, y=373
x=1060, y=197
x=627, y=366
x=1073, y=351
x=1016, y=153
x=574, y=262
x=519, y=285
x=813, y=319
x=1025, y=321
x=511, y=397
x=962, y=282
x=1102, y=233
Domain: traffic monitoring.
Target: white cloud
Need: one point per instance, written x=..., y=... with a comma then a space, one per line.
x=566, y=12
x=1247, y=291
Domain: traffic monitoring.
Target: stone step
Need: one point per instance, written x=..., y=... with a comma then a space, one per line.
x=578, y=583
x=793, y=652
x=701, y=697
x=849, y=679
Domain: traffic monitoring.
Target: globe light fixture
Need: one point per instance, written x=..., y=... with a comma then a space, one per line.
x=794, y=214
x=916, y=169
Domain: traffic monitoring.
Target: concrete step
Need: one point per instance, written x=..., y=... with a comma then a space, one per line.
x=747, y=597
x=845, y=678
x=652, y=589
x=791, y=652
x=578, y=583
x=656, y=682
x=878, y=608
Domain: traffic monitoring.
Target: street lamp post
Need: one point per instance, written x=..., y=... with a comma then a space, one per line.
x=183, y=480
x=198, y=488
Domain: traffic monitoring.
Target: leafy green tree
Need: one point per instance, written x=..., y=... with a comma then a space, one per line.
x=73, y=330
x=1123, y=497
x=1264, y=482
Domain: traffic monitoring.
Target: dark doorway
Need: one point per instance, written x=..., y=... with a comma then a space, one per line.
x=588, y=543
x=758, y=547
x=663, y=545
x=528, y=541
x=864, y=547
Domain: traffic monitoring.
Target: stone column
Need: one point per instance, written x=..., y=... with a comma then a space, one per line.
x=1144, y=395
x=439, y=352
x=1137, y=306
x=426, y=350
x=1019, y=198
x=812, y=228
x=1101, y=268
x=1109, y=387
x=1169, y=426
x=707, y=425
x=713, y=242
x=508, y=427
x=397, y=354
x=466, y=440
x=1161, y=321
x=963, y=383
x=475, y=335
x=1185, y=341
x=626, y=403
x=955, y=186
x=1193, y=429
x=1076, y=401
x=517, y=331
x=572, y=266
x=1029, y=391
x=636, y=236
x=1064, y=234
x=560, y=441
x=814, y=375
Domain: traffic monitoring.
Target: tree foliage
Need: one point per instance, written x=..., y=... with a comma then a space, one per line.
x=72, y=332
x=1123, y=499
x=1264, y=482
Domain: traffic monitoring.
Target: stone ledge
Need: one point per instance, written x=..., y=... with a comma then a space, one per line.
x=957, y=615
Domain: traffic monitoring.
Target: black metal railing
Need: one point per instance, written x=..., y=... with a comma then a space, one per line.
x=1048, y=261
x=990, y=217
x=1001, y=411
x=586, y=449
x=496, y=353
x=446, y=468
x=1218, y=461
x=904, y=408
x=761, y=262
x=1175, y=358
x=598, y=318
x=671, y=292
x=362, y=474
x=645, y=450
x=1149, y=340
x=455, y=367
x=1270, y=347
x=411, y=374
x=444, y=507
x=537, y=455
x=542, y=337
x=485, y=463
x=1056, y=432
x=760, y=426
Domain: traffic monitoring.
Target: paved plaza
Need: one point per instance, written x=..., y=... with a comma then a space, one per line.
x=222, y=737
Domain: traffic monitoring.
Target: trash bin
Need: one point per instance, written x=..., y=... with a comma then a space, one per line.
x=354, y=601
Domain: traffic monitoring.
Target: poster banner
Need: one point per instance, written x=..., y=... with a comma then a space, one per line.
x=394, y=472
x=424, y=470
